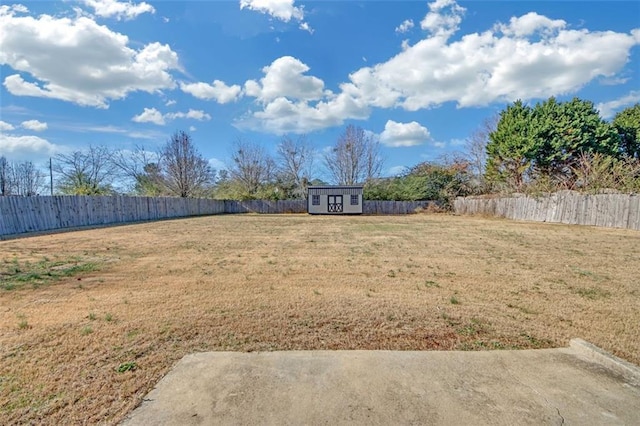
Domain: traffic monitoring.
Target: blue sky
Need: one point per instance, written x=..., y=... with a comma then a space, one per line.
x=420, y=76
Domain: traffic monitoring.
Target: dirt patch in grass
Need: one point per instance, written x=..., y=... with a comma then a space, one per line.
x=86, y=346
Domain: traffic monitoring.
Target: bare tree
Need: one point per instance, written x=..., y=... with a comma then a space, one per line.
x=141, y=167
x=251, y=166
x=88, y=172
x=6, y=173
x=186, y=172
x=476, y=146
x=27, y=179
x=295, y=164
x=355, y=158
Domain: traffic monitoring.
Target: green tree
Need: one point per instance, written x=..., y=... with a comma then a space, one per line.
x=424, y=181
x=150, y=181
x=442, y=182
x=511, y=147
x=627, y=124
x=546, y=142
x=565, y=131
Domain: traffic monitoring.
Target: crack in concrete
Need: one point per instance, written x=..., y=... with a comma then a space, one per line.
x=548, y=403
x=560, y=415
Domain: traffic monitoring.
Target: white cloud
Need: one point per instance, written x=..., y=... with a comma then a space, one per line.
x=531, y=57
x=88, y=128
x=280, y=9
x=146, y=135
x=217, y=164
x=364, y=85
x=609, y=109
x=403, y=134
x=530, y=24
x=104, y=67
x=614, y=81
x=198, y=115
x=111, y=129
x=218, y=91
x=396, y=170
x=152, y=115
x=192, y=128
x=284, y=10
x=4, y=126
x=192, y=114
x=26, y=147
x=293, y=102
x=443, y=19
x=285, y=78
x=405, y=26
x=118, y=9
x=16, y=8
x=282, y=115
x=170, y=102
x=35, y=125
x=306, y=27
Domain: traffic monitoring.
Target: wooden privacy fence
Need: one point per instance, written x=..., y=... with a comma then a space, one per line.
x=300, y=206
x=607, y=210
x=32, y=214
x=394, y=207
x=265, y=206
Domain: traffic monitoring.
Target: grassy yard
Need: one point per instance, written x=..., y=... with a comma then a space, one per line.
x=91, y=320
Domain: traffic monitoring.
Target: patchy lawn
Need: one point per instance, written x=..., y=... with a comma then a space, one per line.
x=91, y=320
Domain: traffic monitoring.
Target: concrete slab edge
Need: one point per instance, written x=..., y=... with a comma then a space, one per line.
x=593, y=353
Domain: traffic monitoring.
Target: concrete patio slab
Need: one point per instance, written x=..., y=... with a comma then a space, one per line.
x=578, y=385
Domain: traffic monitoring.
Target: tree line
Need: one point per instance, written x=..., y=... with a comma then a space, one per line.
x=20, y=178
x=178, y=169
x=563, y=145
x=544, y=147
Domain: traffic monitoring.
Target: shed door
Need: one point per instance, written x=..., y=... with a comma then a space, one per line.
x=335, y=204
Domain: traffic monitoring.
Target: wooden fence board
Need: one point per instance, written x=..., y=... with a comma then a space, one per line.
x=26, y=214
x=31, y=214
x=606, y=210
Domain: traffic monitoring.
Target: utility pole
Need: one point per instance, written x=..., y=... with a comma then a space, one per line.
x=51, y=175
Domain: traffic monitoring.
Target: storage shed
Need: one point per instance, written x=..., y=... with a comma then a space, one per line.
x=343, y=199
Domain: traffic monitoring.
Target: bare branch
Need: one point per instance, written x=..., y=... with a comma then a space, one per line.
x=476, y=146
x=86, y=172
x=296, y=163
x=355, y=158
x=186, y=172
x=251, y=166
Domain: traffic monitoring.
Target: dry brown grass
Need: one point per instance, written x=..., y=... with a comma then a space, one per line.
x=261, y=283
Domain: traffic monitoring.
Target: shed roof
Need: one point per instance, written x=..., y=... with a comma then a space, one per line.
x=335, y=186
x=336, y=189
